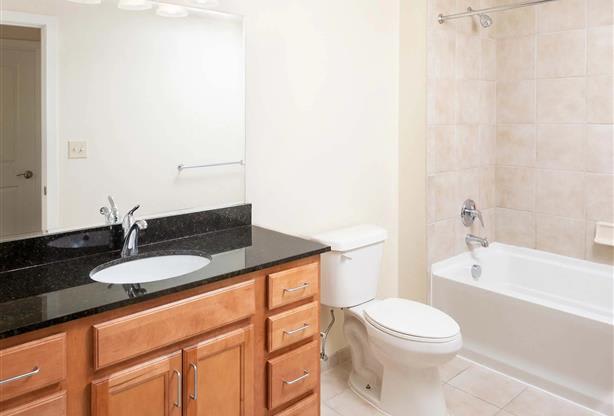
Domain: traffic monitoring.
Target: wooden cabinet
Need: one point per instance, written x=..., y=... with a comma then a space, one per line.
x=167, y=324
x=53, y=405
x=292, y=326
x=247, y=345
x=211, y=378
x=293, y=374
x=291, y=285
x=32, y=366
x=219, y=375
x=154, y=388
x=309, y=406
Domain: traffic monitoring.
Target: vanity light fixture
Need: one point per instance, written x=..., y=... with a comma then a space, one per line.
x=86, y=1
x=135, y=5
x=205, y=3
x=171, y=10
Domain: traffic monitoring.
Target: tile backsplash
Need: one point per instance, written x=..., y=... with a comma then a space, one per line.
x=535, y=149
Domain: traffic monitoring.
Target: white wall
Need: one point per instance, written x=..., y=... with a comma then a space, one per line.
x=413, y=279
x=322, y=118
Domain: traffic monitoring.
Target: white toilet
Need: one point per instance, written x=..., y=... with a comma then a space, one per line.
x=396, y=344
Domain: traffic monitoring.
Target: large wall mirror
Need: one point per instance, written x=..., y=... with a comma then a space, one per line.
x=140, y=100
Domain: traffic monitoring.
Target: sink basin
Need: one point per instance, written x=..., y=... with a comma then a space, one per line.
x=83, y=240
x=150, y=267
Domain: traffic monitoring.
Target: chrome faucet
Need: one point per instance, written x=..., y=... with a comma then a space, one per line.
x=131, y=228
x=470, y=238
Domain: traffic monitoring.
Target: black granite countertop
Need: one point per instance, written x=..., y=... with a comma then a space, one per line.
x=43, y=295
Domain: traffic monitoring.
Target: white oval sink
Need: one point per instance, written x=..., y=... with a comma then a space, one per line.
x=150, y=268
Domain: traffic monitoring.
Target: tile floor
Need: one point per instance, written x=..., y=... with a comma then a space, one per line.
x=470, y=390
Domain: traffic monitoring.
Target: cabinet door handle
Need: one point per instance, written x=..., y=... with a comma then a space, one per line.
x=296, y=289
x=296, y=380
x=179, y=392
x=195, y=368
x=34, y=372
x=294, y=331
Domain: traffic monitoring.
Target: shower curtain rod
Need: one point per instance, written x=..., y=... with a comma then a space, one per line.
x=470, y=12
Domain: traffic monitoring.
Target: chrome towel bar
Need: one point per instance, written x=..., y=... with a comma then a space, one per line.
x=209, y=165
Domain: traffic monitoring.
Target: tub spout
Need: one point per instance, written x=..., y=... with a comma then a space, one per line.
x=470, y=238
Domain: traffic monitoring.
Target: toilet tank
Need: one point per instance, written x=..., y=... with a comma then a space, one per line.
x=350, y=272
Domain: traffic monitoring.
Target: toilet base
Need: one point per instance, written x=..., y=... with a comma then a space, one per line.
x=430, y=405
x=365, y=391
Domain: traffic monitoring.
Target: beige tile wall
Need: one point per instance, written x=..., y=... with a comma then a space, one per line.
x=520, y=119
x=462, y=102
x=554, y=142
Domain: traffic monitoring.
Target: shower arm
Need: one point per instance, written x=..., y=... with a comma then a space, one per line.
x=470, y=12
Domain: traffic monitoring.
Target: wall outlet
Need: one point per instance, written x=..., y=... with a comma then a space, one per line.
x=77, y=150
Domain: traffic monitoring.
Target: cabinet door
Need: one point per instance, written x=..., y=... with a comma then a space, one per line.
x=219, y=375
x=153, y=388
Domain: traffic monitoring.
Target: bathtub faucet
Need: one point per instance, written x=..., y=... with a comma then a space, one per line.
x=470, y=238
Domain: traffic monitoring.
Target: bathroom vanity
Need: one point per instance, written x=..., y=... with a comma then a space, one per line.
x=239, y=337
x=128, y=106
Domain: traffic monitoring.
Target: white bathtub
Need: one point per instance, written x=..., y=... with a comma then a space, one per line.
x=542, y=318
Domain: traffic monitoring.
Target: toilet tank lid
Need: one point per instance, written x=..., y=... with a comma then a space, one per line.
x=351, y=238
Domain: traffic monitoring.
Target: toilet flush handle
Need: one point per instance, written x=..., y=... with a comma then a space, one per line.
x=346, y=257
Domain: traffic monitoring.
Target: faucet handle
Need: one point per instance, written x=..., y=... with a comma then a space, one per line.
x=142, y=224
x=110, y=213
x=478, y=213
x=469, y=212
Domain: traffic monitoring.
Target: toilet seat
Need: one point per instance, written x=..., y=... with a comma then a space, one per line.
x=411, y=320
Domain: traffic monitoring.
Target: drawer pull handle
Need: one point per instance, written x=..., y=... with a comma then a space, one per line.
x=294, y=331
x=297, y=380
x=179, y=393
x=195, y=368
x=34, y=372
x=296, y=289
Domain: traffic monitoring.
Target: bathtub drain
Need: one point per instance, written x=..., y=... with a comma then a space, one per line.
x=476, y=271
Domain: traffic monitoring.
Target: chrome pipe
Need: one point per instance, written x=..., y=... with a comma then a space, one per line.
x=470, y=12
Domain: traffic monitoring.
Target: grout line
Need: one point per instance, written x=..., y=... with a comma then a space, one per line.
x=526, y=387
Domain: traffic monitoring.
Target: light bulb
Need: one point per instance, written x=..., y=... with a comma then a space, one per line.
x=134, y=4
x=86, y=1
x=171, y=10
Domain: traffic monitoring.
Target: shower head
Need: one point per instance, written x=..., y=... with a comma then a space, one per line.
x=485, y=20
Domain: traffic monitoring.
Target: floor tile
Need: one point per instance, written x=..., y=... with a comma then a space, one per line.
x=487, y=385
x=503, y=413
x=453, y=368
x=463, y=404
x=533, y=402
x=333, y=382
x=348, y=404
x=327, y=411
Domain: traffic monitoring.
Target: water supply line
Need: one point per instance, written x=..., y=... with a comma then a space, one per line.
x=324, y=336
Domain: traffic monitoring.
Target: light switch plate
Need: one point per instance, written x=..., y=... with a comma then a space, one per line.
x=77, y=150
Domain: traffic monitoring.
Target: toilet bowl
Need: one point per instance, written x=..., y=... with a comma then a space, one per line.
x=395, y=357
x=396, y=344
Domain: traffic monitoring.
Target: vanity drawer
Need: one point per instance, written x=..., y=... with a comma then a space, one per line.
x=293, y=374
x=292, y=285
x=142, y=332
x=31, y=366
x=54, y=405
x=292, y=326
x=306, y=407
